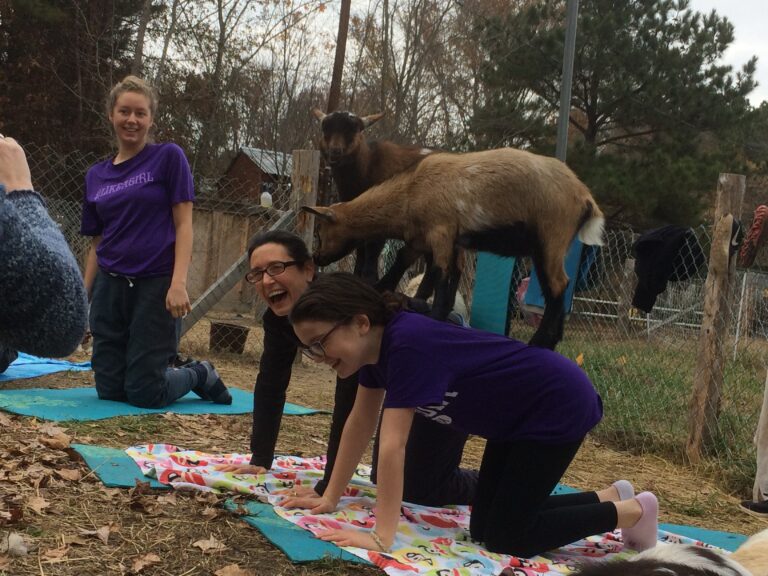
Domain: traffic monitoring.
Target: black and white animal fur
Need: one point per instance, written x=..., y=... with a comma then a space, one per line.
x=506, y=201
x=357, y=164
x=751, y=559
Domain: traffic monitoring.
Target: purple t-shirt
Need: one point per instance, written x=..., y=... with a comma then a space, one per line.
x=482, y=383
x=130, y=206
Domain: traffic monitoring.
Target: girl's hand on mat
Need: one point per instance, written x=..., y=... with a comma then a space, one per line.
x=304, y=492
x=240, y=468
x=315, y=504
x=355, y=538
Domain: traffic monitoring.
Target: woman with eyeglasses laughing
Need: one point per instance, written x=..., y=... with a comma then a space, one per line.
x=533, y=406
x=281, y=271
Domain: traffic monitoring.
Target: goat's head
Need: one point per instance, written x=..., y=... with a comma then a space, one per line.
x=332, y=241
x=343, y=134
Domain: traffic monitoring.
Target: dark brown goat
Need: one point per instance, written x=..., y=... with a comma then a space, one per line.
x=357, y=164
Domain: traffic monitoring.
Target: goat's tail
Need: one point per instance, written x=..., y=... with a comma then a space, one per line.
x=592, y=225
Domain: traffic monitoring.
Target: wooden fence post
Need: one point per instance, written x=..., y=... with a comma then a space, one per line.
x=710, y=366
x=304, y=183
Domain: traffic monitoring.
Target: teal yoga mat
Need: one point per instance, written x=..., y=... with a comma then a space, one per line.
x=534, y=297
x=28, y=366
x=296, y=543
x=83, y=404
x=724, y=540
x=114, y=467
x=490, y=296
x=118, y=470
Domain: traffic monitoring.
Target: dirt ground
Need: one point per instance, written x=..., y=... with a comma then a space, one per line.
x=56, y=518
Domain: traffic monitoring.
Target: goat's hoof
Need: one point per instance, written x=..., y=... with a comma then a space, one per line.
x=542, y=342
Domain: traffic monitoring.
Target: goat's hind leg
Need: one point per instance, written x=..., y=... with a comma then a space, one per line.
x=447, y=284
x=553, y=282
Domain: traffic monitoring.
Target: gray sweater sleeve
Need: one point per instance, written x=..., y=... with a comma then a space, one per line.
x=43, y=305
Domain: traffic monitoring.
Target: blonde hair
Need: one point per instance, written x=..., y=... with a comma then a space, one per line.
x=132, y=84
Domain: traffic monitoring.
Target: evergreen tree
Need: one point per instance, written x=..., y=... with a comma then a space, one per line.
x=58, y=59
x=652, y=108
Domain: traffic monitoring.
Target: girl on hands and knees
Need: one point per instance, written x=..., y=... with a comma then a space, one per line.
x=281, y=271
x=532, y=405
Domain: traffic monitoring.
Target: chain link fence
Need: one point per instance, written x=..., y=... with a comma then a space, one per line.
x=644, y=364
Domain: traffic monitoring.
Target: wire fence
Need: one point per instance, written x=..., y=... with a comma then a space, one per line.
x=644, y=364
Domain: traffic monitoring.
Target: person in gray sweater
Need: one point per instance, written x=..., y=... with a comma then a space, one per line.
x=44, y=309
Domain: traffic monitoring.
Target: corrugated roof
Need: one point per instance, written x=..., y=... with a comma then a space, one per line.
x=270, y=161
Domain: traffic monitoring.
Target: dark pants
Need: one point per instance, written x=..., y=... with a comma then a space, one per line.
x=432, y=474
x=133, y=338
x=7, y=356
x=514, y=511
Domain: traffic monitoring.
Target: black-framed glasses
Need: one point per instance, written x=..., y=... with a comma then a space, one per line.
x=316, y=350
x=274, y=269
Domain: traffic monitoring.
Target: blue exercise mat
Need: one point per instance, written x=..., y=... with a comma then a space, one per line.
x=114, y=467
x=534, y=297
x=490, y=295
x=724, y=540
x=28, y=366
x=297, y=544
x=84, y=404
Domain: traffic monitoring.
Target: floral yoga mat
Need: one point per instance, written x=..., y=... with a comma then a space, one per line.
x=433, y=541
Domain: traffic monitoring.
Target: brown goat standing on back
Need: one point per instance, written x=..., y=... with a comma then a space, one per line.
x=357, y=164
x=506, y=201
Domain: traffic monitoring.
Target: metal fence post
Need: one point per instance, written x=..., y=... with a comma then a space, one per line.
x=708, y=376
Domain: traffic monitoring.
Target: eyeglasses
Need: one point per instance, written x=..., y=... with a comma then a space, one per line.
x=316, y=351
x=274, y=269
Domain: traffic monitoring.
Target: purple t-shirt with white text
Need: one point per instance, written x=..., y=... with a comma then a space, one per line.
x=482, y=383
x=131, y=206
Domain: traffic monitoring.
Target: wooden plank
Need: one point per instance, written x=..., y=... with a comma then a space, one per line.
x=304, y=184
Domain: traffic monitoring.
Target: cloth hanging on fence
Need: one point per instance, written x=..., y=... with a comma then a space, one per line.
x=669, y=253
x=756, y=237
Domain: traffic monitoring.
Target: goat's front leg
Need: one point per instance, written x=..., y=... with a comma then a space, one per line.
x=367, y=261
x=427, y=285
x=405, y=257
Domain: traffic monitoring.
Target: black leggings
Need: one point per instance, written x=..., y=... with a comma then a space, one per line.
x=432, y=474
x=514, y=511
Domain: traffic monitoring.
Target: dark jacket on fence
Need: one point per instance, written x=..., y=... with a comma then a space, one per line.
x=664, y=254
x=433, y=453
x=44, y=309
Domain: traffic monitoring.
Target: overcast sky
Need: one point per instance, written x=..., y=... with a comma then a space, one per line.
x=751, y=37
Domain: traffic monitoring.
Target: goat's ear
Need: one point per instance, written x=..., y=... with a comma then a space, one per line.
x=372, y=119
x=321, y=212
x=319, y=114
